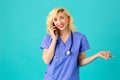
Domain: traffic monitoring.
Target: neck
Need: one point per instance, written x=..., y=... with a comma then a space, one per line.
x=65, y=32
x=64, y=35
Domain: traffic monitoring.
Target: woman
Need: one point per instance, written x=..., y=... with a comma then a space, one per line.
x=64, y=48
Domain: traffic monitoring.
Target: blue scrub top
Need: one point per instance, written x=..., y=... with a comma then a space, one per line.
x=62, y=66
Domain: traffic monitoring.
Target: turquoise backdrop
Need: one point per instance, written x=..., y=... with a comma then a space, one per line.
x=22, y=28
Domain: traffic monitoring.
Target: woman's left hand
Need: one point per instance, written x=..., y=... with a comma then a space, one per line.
x=104, y=54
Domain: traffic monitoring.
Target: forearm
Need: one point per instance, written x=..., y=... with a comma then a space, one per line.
x=50, y=52
x=88, y=60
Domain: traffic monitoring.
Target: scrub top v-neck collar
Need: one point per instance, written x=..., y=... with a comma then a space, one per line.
x=64, y=47
x=66, y=42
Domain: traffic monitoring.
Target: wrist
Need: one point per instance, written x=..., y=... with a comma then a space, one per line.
x=54, y=39
x=97, y=55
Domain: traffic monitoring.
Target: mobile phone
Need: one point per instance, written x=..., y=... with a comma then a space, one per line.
x=57, y=30
x=53, y=24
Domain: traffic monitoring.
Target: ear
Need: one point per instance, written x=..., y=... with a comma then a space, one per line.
x=68, y=17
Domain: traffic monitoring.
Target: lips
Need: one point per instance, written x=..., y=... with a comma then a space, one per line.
x=61, y=26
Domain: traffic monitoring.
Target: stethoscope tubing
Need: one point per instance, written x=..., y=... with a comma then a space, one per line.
x=68, y=52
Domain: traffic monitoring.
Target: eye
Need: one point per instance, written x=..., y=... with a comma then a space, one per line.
x=55, y=19
x=61, y=17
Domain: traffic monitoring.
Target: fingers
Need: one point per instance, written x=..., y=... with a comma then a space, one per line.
x=53, y=32
x=108, y=54
x=53, y=28
x=105, y=55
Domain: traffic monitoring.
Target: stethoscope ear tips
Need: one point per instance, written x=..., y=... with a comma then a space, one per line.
x=68, y=53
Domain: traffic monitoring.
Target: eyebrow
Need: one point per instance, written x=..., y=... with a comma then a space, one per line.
x=58, y=17
x=61, y=16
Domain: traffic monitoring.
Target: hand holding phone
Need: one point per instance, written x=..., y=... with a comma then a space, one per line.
x=54, y=32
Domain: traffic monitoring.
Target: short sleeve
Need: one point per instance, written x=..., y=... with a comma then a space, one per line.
x=46, y=42
x=84, y=45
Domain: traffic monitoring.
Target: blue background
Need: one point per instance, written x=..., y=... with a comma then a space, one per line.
x=22, y=28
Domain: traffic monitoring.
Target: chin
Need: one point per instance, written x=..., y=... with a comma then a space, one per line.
x=63, y=28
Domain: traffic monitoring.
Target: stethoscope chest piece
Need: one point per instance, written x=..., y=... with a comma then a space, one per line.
x=69, y=50
x=68, y=53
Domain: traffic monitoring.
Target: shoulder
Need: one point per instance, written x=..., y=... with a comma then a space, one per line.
x=47, y=37
x=78, y=34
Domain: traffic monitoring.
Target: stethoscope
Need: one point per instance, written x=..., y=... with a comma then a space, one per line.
x=68, y=52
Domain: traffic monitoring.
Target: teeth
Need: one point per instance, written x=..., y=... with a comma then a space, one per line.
x=61, y=25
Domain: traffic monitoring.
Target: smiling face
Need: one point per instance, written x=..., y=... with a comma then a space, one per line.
x=61, y=21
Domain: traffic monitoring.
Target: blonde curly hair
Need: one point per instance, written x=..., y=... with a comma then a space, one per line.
x=53, y=13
